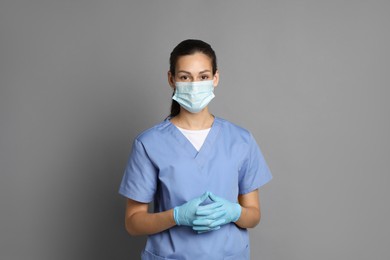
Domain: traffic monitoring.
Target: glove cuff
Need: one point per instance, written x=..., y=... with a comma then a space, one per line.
x=176, y=215
x=237, y=210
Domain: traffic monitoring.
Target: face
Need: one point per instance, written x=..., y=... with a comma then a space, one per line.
x=195, y=67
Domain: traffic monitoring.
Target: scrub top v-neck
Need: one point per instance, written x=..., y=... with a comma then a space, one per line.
x=201, y=155
x=196, y=137
x=166, y=169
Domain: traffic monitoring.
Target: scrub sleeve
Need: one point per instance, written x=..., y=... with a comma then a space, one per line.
x=141, y=184
x=254, y=172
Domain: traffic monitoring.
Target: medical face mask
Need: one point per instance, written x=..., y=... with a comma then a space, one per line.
x=194, y=96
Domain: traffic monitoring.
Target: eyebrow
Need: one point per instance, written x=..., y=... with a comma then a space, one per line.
x=201, y=72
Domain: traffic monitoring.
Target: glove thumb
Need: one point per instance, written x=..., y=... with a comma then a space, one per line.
x=203, y=197
x=214, y=197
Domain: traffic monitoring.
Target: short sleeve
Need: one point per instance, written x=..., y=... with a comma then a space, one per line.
x=254, y=172
x=139, y=181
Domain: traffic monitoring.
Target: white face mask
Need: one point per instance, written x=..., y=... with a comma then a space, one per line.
x=194, y=96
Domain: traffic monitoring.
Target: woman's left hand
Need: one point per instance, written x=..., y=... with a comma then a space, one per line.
x=206, y=219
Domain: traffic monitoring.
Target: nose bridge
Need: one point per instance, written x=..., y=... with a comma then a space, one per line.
x=194, y=76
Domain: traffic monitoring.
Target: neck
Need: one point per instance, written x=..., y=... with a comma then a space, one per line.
x=193, y=121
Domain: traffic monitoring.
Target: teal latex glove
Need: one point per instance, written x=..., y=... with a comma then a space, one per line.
x=186, y=213
x=208, y=216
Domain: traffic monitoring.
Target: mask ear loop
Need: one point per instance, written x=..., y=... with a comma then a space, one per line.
x=173, y=101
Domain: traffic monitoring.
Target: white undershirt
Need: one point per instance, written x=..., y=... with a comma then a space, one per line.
x=196, y=137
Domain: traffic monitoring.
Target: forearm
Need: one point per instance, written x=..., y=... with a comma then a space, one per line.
x=250, y=217
x=144, y=223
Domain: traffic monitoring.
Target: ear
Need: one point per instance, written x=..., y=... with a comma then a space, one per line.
x=171, y=81
x=216, y=79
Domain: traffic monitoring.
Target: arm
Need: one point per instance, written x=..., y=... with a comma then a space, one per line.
x=139, y=222
x=250, y=213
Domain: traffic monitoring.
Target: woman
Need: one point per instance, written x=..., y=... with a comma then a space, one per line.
x=201, y=172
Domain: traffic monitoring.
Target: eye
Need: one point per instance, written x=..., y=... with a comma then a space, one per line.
x=183, y=77
x=204, y=77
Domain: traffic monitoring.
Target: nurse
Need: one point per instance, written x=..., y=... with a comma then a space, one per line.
x=201, y=172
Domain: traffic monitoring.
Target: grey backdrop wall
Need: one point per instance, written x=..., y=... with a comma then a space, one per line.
x=79, y=79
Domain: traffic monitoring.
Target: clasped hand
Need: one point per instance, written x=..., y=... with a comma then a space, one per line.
x=208, y=217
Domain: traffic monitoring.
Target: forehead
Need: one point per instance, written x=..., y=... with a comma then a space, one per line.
x=194, y=62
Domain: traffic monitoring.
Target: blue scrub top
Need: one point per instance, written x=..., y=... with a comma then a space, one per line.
x=165, y=168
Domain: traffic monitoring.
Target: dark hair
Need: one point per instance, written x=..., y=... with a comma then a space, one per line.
x=189, y=47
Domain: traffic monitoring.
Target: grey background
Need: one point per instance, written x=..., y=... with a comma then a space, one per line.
x=79, y=79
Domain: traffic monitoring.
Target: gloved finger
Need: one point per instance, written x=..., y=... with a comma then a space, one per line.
x=208, y=209
x=213, y=216
x=203, y=197
x=207, y=212
x=205, y=228
x=211, y=205
x=201, y=228
x=214, y=197
x=218, y=222
x=211, y=229
x=202, y=222
x=217, y=214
